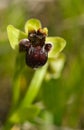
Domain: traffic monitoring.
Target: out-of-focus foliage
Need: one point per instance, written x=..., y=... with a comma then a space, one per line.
x=62, y=97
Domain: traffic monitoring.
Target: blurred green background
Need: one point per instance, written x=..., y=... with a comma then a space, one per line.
x=63, y=97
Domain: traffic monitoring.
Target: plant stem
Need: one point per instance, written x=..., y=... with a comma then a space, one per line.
x=34, y=86
x=31, y=93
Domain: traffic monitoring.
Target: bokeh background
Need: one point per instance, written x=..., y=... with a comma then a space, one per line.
x=63, y=97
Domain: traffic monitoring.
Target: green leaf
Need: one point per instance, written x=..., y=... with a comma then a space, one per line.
x=32, y=24
x=24, y=114
x=58, y=44
x=14, y=36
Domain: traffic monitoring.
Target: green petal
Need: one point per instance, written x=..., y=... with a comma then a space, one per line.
x=32, y=24
x=14, y=36
x=58, y=44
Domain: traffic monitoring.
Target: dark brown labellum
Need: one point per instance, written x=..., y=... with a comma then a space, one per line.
x=35, y=49
x=36, y=56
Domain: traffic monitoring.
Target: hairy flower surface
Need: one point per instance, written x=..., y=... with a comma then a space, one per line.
x=35, y=48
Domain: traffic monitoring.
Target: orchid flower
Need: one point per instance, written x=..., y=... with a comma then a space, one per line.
x=41, y=52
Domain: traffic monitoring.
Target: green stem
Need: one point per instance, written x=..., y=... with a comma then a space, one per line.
x=34, y=86
x=31, y=92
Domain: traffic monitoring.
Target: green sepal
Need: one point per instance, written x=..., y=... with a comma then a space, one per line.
x=14, y=36
x=58, y=45
x=32, y=24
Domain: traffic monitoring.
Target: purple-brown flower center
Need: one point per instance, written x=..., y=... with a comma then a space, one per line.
x=35, y=48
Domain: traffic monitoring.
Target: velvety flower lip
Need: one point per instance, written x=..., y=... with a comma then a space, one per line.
x=35, y=43
x=35, y=48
